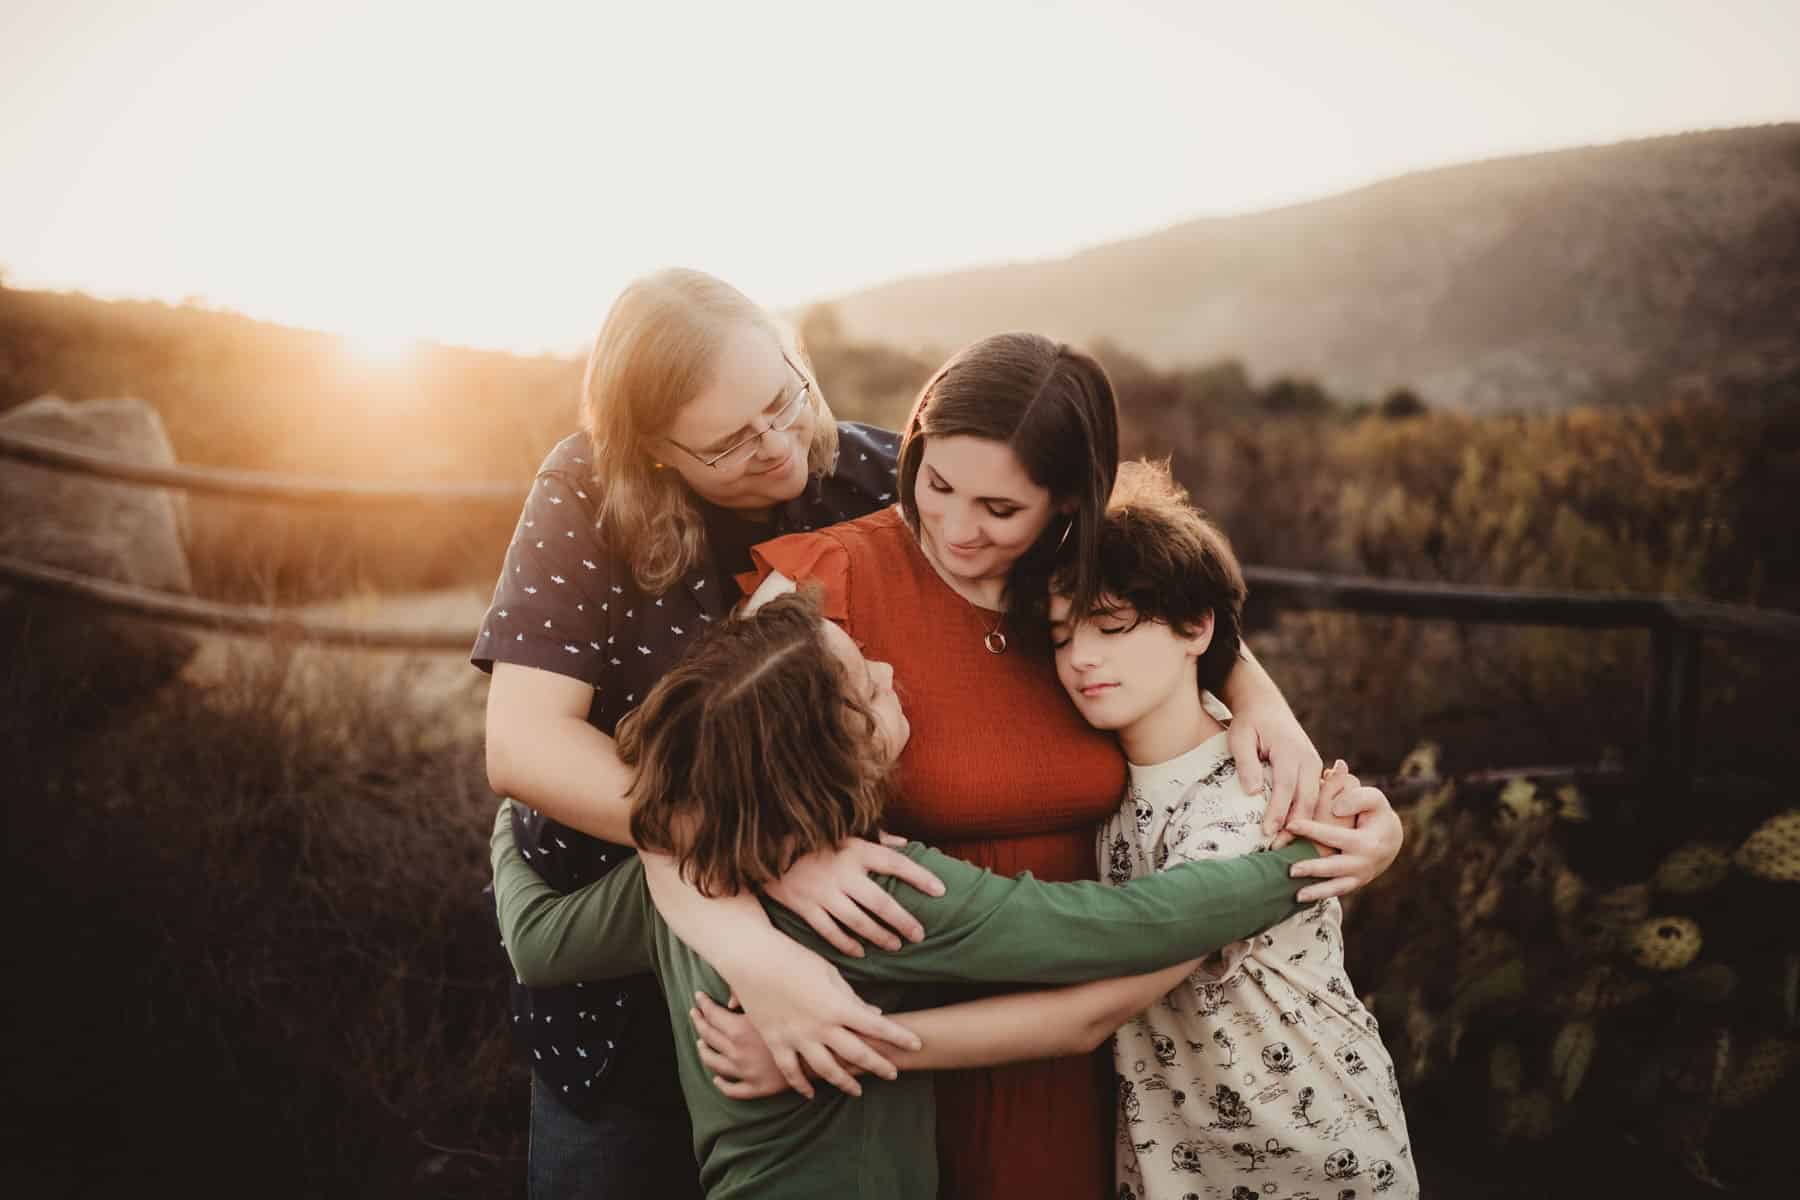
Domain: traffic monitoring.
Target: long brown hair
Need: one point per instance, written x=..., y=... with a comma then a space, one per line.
x=1054, y=406
x=755, y=750
x=655, y=352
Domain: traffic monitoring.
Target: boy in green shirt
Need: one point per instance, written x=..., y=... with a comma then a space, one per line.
x=775, y=737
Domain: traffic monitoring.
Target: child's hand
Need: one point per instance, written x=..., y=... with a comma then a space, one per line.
x=813, y=1021
x=832, y=892
x=742, y=1066
x=1336, y=783
x=1361, y=827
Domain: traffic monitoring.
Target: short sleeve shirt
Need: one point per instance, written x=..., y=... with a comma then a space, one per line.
x=566, y=602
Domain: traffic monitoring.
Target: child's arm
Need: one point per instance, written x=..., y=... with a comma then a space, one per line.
x=811, y=1018
x=603, y=931
x=599, y=932
x=1016, y=1027
x=986, y=927
x=998, y=929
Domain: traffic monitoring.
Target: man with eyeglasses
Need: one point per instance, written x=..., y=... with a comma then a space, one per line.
x=575, y=642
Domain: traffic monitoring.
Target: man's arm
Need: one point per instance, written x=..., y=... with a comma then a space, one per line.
x=1264, y=727
x=542, y=752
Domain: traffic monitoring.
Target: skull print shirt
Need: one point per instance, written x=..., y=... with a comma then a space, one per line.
x=1261, y=1075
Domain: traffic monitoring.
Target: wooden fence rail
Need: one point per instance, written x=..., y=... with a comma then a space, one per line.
x=249, y=485
x=1677, y=625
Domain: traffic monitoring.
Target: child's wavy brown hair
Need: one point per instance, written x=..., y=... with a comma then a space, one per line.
x=755, y=750
x=1162, y=557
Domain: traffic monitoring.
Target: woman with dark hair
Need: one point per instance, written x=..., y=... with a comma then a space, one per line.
x=1008, y=460
x=705, y=432
x=774, y=738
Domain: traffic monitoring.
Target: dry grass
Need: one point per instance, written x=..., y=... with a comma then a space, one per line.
x=252, y=908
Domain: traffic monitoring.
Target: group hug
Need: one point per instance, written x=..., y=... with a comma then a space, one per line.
x=903, y=814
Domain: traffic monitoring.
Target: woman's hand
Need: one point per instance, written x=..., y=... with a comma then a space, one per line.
x=810, y=1019
x=742, y=1066
x=1361, y=827
x=1264, y=728
x=831, y=891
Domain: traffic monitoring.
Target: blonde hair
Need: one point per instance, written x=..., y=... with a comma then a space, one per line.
x=655, y=352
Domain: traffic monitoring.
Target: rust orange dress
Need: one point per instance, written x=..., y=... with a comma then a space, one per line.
x=1002, y=771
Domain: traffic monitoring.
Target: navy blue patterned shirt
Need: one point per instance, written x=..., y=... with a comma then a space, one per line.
x=568, y=604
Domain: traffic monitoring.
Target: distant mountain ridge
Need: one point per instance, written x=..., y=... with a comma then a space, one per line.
x=1525, y=282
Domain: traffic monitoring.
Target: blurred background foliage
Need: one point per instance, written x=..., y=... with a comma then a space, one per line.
x=256, y=899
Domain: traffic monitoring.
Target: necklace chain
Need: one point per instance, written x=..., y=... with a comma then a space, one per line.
x=994, y=640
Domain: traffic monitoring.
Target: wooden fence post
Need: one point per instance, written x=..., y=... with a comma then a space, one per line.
x=1673, y=705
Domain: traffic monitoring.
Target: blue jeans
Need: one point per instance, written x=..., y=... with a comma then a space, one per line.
x=625, y=1152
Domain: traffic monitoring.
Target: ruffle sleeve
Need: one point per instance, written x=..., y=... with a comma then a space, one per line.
x=816, y=558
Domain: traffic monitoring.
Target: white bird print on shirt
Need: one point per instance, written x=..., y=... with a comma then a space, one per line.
x=557, y=579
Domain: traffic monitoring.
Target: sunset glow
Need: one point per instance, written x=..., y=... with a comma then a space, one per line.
x=411, y=170
x=381, y=350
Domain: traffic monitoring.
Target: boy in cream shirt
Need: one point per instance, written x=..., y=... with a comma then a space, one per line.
x=1260, y=1074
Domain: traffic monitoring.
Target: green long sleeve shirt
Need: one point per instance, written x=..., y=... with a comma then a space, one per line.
x=985, y=928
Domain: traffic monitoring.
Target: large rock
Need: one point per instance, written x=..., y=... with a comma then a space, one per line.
x=64, y=658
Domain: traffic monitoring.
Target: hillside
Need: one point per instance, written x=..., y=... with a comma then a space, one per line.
x=1523, y=282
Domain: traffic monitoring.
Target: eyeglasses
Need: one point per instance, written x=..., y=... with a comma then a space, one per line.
x=780, y=421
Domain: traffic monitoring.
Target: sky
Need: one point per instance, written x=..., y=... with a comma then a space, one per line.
x=491, y=174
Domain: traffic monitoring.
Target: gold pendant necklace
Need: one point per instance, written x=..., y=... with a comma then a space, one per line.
x=995, y=641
